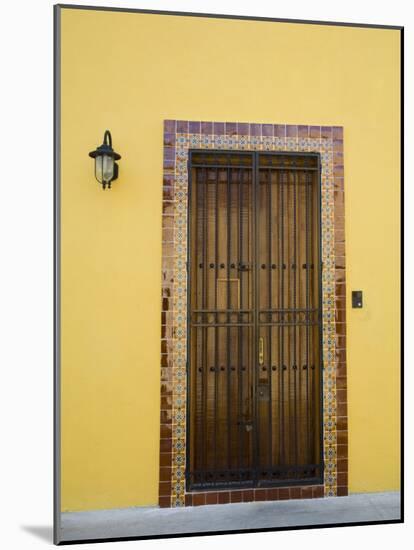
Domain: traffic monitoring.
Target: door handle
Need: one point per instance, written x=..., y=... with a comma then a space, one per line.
x=261, y=350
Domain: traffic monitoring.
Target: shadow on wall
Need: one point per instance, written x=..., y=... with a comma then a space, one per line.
x=44, y=532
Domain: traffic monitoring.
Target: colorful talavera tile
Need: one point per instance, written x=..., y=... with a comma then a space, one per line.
x=179, y=137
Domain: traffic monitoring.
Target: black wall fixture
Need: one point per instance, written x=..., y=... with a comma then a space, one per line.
x=106, y=169
x=357, y=298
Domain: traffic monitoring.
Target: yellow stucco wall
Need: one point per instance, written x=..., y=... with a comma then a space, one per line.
x=128, y=72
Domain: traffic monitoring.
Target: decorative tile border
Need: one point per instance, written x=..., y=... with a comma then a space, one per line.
x=179, y=137
x=253, y=495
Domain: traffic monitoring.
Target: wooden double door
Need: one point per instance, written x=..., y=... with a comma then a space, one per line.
x=254, y=320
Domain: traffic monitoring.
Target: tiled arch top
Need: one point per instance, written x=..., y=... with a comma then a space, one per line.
x=179, y=137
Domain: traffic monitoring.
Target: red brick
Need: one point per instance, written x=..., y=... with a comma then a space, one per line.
x=248, y=495
x=341, y=396
x=199, y=499
x=165, y=488
x=342, y=465
x=223, y=497
x=342, y=437
x=318, y=491
x=164, y=502
x=165, y=445
x=306, y=492
x=260, y=494
x=295, y=492
x=211, y=498
x=341, y=423
x=165, y=459
x=236, y=496
x=284, y=494
x=273, y=494
x=341, y=409
x=342, y=478
x=165, y=473
x=342, y=451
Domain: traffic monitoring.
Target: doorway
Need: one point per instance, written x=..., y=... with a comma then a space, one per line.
x=254, y=320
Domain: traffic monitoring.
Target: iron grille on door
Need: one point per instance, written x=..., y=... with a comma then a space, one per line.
x=255, y=362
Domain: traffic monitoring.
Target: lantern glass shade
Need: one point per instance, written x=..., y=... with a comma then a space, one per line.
x=104, y=168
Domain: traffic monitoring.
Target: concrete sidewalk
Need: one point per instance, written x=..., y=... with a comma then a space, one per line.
x=130, y=522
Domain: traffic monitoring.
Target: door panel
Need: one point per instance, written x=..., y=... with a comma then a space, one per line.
x=254, y=319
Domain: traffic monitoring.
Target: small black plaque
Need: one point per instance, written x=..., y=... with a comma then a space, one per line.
x=357, y=298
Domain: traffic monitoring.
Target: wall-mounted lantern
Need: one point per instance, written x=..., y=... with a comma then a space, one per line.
x=106, y=169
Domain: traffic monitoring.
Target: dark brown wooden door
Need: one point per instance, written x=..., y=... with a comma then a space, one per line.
x=254, y=320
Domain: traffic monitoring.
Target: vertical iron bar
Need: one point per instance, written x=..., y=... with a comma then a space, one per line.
x=307, y=310
x=255, y=188
x=320, y=358
x=279, y=316
x=194, y=196
x=312, y=329
x=300, y=301
x=290, y=372
x=228, y=318
x=295, y=262
x=269, y=370
x=239, y=320
x=204, y=330
x=288, y=330
x=282, y=240
x=216, y=329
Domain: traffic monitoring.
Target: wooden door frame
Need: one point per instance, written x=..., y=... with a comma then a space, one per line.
x=179, y=137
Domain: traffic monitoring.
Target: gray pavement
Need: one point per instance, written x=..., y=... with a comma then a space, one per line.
x=143, y=521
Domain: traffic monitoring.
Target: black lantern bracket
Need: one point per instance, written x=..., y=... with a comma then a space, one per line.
x=106, y=154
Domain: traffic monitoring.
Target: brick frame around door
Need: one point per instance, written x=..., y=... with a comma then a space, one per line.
x=179, y=137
